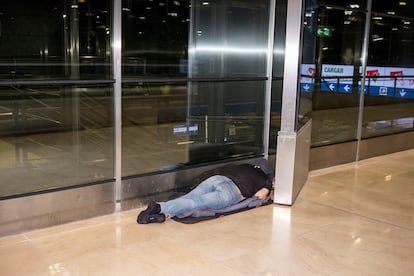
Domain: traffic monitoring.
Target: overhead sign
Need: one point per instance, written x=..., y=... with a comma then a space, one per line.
x=337, y=78
x=395, y=85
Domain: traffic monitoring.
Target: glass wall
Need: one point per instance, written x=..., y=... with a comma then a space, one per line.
x=228, y=51
x=193, y=82
x=335, y=75
x=56, y=122
x=155, y=38
x=389, y=92
x=277, y=73
x=193, y=85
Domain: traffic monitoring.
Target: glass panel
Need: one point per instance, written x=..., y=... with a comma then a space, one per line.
x=54, y=136
x=354, y=4
x=229, y=118
x=339, y=36
x=277, y=72
x=275, y=114
x=169, y=124
x=307, y=74
x=230, y=38
x=226, y=121
x=389, y=93
x=54, y=39
x=394, y=8
x=154, y=127
x=155, y=37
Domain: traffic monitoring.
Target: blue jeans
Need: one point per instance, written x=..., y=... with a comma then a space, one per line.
x=216, y=192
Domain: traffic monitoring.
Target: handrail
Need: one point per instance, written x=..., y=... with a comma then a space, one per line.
x=196, y=79
x=9, y=82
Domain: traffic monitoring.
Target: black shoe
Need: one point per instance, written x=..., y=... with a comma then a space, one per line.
x=154, y=218
x=152, y=209
x=142, y=218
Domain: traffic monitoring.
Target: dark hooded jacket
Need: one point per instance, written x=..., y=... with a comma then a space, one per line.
x=249, y=178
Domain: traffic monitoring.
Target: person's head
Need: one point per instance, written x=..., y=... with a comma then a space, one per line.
x=265, y=166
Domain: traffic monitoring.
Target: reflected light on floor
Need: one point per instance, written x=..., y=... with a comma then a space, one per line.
x=55, y=269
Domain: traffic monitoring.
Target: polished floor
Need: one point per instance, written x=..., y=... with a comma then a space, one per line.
x=353, y=219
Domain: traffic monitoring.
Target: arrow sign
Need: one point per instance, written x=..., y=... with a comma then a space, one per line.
x=332, y=87
x=306, y=87
x=347, y=88
x=402, y=93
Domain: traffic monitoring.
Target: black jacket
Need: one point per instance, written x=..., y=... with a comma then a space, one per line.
x=247, y=178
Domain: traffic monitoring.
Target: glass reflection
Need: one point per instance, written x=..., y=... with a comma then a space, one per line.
x=155, y=37
x=389, y=93
x=153, y=116
x=55, y=131
x=161, y=129
x=334, y=78
x=55, y=39
x=54, y=136
x=172, y=123
x=229, y=38
x=229, y=116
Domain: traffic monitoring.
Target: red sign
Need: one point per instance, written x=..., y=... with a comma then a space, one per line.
x=396, y=74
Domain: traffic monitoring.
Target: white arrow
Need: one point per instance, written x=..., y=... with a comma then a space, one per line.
x=332, y=87
x=347, y=88
x=306, y=87
x=402, y=93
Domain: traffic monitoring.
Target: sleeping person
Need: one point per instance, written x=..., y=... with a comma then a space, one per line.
x=218, y=188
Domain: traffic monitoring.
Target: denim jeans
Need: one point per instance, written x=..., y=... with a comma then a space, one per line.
x=216, y=192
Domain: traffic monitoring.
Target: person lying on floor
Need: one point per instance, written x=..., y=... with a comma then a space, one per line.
x=219, y=188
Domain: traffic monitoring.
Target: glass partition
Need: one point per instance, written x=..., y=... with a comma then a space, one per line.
x=229, y=118
x=56, y=117
x=154, y=127
x=193, y=82
x=277, y=73
x=339, y=33
x=228, y=51
x=389, y=91
x=54, y=136
x=389, y=76
x=155, y=38
x=55, y=39
x=308, y=66
x=229, y=38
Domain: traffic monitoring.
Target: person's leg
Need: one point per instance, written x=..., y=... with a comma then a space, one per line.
x=216, y=192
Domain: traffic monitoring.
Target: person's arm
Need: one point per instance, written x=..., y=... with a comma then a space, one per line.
x=264, y=192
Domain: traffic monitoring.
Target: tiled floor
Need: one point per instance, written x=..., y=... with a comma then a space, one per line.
x=355, y=219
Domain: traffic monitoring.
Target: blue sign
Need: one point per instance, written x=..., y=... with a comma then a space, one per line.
x=386, y=91
x=334, y=87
